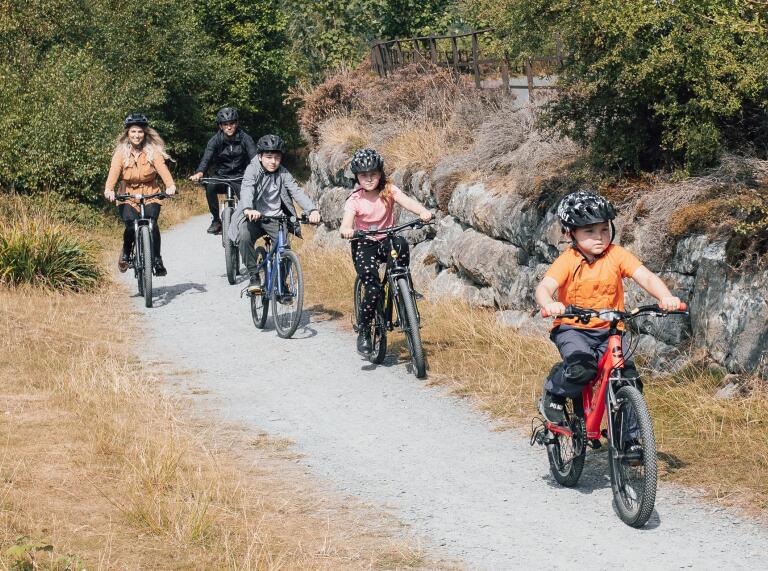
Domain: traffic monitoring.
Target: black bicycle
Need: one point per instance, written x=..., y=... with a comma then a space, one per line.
x=231, y=254
x=282, y=281
x=397, y=292
x=141, y=258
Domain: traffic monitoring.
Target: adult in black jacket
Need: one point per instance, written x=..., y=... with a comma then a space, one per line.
x=231, y=149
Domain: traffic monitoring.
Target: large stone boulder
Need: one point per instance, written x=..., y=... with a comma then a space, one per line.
x=449, y=284
x=444, y=243
x=330, y=203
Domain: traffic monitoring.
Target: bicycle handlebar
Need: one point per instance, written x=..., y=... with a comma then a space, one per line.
x=126, y=196
x=206, y=180
x=416, y=223
x=584, y=314
x=303, y=219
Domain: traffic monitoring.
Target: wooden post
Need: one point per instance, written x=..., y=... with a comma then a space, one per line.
x=400, y=58
x=433, y=50
x=529, y=74
x=384, y=59
x=559, y=50
x=417, y=52
x=455, y=54
x=475, y=59
x=505, y=72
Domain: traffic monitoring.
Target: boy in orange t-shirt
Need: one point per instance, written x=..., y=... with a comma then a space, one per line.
x=589, y=274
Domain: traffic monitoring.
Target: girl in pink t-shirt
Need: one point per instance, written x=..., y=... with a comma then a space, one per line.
x=371, y=207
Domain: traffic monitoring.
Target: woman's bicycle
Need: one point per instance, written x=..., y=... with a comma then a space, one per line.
x=231, y=254
x=282, y=281
x=141, y=259
x=631, y=443
x=397, y=292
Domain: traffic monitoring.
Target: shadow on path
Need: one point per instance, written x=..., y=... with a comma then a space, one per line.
x=164, y=295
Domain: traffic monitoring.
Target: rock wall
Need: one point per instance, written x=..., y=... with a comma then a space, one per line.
x=490, y=249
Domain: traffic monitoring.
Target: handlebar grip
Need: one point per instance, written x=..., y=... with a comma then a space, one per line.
x=683, y=306
x=544, y=312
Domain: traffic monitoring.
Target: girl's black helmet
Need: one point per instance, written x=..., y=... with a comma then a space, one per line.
x=136, y=119
x=226, y=115
x=365, y=160
x=270, y=144
x=584, y=208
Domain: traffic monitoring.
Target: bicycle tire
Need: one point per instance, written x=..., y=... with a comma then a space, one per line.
x=567, y=453
x=137, y=267
x=146, y=248
x=379, y=333
x=287, y=316
x=230, y=249
x=634, y=504
x=260, y=303
x=409, y=322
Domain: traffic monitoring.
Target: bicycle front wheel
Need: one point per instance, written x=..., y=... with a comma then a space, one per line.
x=287, y=306
x=632, y=458
x=231, y=258
x=146, y=250
x=567, y=453
x=357, y=298
x=409, y=321
x=260, y=302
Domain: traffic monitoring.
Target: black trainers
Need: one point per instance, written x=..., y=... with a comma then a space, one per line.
x=364, y=344
x=122, y=264
x=254, y=285
x=552, y=408
x=160, y=268
x=215, y=227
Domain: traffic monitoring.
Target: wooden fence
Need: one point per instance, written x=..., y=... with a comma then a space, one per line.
x=461, y=53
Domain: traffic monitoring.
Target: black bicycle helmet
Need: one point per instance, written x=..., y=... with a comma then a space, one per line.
x=365, y=160
x=583, y=208
x=270, y=144
x=226, y=115
x=136, y=119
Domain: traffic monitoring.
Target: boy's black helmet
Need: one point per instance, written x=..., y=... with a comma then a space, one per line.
x=225, y=115
x=270, y=144
x=583, y=208
x=365, y=160
x=136, y=119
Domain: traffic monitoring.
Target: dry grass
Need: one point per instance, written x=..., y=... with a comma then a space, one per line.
x=719, y=446
x=417, y=146
x=101, y=465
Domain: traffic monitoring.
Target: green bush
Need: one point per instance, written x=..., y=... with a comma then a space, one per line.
x=649, y=84
x=43, y=253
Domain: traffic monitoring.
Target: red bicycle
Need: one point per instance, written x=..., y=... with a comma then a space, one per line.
x=631, y=443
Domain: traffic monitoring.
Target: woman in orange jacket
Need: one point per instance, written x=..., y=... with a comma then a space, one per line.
x=138, y=159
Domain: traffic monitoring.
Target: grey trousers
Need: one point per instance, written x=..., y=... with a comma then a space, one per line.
x=249, y=233
x=581, y=350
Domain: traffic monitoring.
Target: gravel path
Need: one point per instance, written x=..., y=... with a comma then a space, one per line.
x=380, y=434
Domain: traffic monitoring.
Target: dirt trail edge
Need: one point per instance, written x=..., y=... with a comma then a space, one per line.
x=380, y=434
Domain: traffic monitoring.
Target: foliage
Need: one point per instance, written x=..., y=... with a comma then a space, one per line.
x=649, y=83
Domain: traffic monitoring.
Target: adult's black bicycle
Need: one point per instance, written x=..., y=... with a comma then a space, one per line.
x=397, y=292
x=142, y=256
x=231, y=254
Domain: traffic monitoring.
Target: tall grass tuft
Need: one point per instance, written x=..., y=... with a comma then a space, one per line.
x=40, y=252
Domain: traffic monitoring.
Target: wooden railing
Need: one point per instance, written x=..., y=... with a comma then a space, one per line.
x=461, y=53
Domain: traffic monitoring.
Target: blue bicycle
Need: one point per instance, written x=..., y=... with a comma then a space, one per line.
x=281, y=279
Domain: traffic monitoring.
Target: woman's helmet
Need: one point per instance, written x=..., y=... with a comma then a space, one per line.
x=226, y=115
x=136, y=119
x=365, y=160
x=584, y=208
x=270, y=144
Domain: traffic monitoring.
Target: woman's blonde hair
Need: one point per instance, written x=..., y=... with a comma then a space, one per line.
x=153, y=143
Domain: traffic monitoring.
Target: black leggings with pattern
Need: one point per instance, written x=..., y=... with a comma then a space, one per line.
x=367, y=255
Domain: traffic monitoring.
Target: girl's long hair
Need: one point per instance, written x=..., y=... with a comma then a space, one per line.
x=153, y=143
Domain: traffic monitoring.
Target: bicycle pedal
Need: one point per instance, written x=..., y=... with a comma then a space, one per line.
x=595, y=444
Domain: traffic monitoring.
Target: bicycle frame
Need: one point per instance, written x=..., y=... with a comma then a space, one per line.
x=272, y=262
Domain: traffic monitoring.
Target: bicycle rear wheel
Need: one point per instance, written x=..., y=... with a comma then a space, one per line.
x=146, y=249
x=286, y=307
x=409, y=321
x=260, y=303
x=632, y=458
x=567, y=453
x=231, y=257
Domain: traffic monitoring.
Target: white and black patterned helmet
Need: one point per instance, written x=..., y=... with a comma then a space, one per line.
x=365, y=160
x=270, y=144
x=226, y=115
x=584, y=208
x=138, y=119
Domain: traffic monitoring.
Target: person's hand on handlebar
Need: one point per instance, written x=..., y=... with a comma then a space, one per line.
x=314, y=217
x=426, y=216
x=197, y=176
x=109, y=195
x=347, y=232
x=552, y=309
x=170, y=191
x=670, y=303
x=252, y=215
